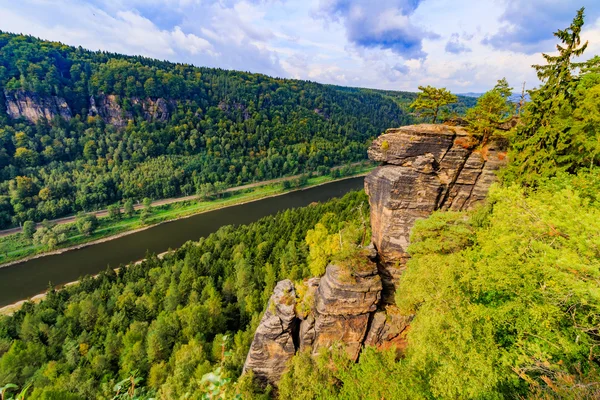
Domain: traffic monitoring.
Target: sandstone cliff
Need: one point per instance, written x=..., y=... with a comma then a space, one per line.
x=424, y=168
x=33, y=107
x=111, y=112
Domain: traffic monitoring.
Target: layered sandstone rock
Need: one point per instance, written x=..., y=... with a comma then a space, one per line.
x=33, y=107
x=424, y=168
x=273, y=343
x=111, y=112
x=345, y=298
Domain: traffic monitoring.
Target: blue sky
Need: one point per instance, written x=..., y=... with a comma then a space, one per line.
x=464, y=45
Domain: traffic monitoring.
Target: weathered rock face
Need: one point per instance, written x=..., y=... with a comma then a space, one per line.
x=345, y=299
x=108, y=108
x=33, y=107
x=273, y=343
x=425, y=168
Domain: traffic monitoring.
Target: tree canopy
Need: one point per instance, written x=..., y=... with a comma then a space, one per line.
x=560, y=125
x=430, y=101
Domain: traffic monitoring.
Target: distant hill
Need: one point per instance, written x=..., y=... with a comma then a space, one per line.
x=82, y=129
x=515, y=98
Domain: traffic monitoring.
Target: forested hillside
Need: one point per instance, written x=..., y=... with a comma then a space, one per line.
x=166, y=322
x=80, y=129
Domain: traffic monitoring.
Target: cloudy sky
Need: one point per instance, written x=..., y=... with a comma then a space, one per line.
x=465, y=45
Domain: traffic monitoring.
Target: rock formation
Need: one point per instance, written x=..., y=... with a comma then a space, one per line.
x=273, y=343
x=109, y=109
x=33, y=107
x=424, y=168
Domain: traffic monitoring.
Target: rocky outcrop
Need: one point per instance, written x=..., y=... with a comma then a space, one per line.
x=344, y=301
x=111, y=112
x=388, y=329
x=424, y=168
x=273, y=343
x=34, y=107
x=107, y=107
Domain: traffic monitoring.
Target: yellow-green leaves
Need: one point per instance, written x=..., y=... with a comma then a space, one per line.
x=510, y=302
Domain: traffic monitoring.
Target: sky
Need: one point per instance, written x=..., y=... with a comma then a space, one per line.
x=464, y=45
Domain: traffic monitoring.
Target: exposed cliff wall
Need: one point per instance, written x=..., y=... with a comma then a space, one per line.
x=33, y=107
x=424, y=168
x=111, y=112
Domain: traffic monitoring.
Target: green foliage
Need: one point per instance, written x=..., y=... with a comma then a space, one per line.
x=114, y=211
x=492, y=109
x=173, y=320
x=128, y=208
x=50, y=235
x=560, y=124
x=333, y=240
x=225, y=128
x=330, y=375
x=310, y=378
x=508, y=300
x=86, y=223
x=431, y=101
x=28, y=229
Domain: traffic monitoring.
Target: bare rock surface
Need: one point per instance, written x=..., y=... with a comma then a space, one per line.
x=33, y=106
x=111, y=112
x=425, y=168
x=273, y=343
x=346, y=297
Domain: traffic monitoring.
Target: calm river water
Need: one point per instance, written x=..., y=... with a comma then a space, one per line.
x=29, y=278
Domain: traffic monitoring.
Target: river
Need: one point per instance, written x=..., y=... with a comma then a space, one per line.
x=26, y=279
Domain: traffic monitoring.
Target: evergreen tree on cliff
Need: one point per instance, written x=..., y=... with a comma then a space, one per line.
x=543, y=146
x=431, y=101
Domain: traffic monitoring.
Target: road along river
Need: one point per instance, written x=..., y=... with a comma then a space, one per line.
x=23, y=280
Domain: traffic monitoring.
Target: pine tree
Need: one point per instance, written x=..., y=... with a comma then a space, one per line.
x=541, y=147
x=431, y=100
x=492, y=109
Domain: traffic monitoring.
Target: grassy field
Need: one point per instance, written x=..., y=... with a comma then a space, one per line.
x=17, y=246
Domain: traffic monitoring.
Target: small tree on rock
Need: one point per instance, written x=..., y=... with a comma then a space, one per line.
x=431, y=101
x=492, y=109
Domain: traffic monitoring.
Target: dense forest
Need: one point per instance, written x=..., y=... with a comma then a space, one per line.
x=137, y=127
x=165, y=322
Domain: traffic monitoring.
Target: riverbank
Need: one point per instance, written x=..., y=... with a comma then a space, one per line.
x=15, y=249
x=28, y=281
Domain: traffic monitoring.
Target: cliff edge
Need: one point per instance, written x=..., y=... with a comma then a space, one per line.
x=424, y=168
